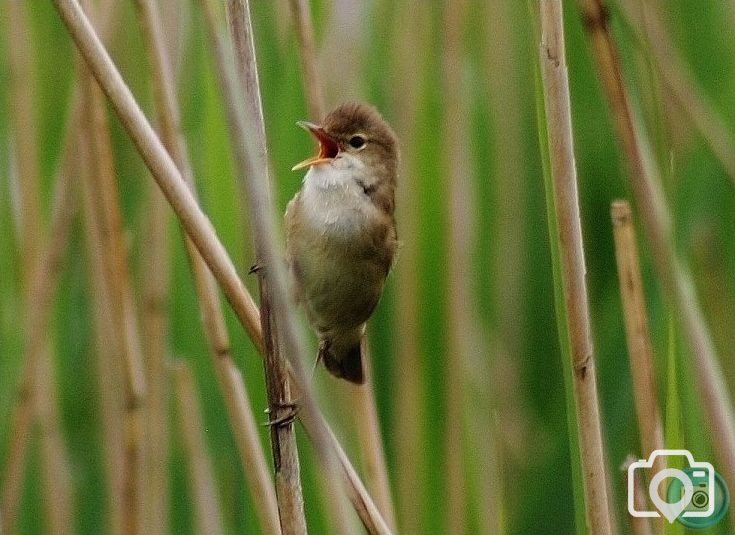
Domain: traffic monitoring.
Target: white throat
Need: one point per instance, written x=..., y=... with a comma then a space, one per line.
x=333, y=198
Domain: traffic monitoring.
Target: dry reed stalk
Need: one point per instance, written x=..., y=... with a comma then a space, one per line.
x=29, y=227
x=656, y=217
x=37, y=398
x=41, y=296
x=362, y=398
x=461, y=321
x=344, y=50
x=101, y=185
x=108, y=361
x=154, y=330
x=160, y=164
x=370, y=438
x=230, y=382
x=563, y=170
x=156, y=282
x=22, y=96
x=108, y=364
x=201, y=231
x=307, y=52
x=502, y=53
x=15, y=467
x=502, y=57
x=256, y=187
x=38, y=308
x=499, y=386
x=202, y=485
x=640, y=349
x=408, y=392
x=638, y=525
x=56, y=475
x=681, y=84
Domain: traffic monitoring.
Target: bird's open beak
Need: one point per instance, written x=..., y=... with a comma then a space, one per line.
x=328, y=147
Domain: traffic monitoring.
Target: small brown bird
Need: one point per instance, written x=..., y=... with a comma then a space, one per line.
x=341, y=232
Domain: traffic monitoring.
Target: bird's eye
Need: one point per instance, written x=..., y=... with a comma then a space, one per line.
x=357, y=142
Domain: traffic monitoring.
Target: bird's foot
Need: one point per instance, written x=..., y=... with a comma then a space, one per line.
x=285, y=414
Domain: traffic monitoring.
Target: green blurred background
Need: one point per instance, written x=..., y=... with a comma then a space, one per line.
x=390, y=54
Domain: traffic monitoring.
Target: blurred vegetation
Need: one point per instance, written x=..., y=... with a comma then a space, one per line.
x=516, y=324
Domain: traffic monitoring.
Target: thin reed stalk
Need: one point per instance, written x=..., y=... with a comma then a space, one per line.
x=156, y=256
x=154, y=321
x=42, y=286
x=108, y=362
x=202, y=233
x=344, y=48
x=43, y=282
x=102, y=188
x=282, y=431
x=408, y=437
x=40, y=263
x=22, y=96
x=461, y=326
x=566, y=204
x=368, y=429
x=56, y=474
x=656, y=217
x=681, y=84
x=638, y=525
x=202, y=485
x=640, y=349
x=231, y=384
x=307, y=52
x=497, y=380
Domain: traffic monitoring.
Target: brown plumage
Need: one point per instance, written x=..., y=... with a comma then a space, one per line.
x=341, y=233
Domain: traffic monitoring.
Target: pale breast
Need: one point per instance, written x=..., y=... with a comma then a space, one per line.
x=336, y=249
x=335, y=205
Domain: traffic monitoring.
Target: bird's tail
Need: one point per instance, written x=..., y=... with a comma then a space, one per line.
x=342, y=355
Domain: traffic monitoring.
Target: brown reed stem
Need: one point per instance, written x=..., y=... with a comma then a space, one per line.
x=106, y=209
x=638, y=525
x=681, y=84
x=257, y=187
x=497, y=380
x=202, y=233
x=561, y=154
x=408, y=393
x=640, y=349
x=656, y=217
x=307, y=52
x=460, y=327
x=230, y=382
x=40, y=293
x=23, y=123
x=29, y=227
x=56, y=474
x=40, y=264
x=108, y=361
x=344, y=48
x=370, y=437
x=202, y=485
x=156, y=282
